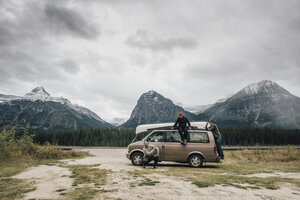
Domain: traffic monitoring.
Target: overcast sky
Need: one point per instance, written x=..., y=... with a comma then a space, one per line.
x=104, y=54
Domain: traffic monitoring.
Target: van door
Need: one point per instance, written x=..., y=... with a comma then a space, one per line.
x=157, y=139
x=174, y=150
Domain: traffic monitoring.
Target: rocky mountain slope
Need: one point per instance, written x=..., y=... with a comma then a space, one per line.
x=263, y=104
x=155, y=108
x=38, y=110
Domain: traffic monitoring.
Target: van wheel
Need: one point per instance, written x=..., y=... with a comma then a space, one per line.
x=195, y=160
x=137, y=158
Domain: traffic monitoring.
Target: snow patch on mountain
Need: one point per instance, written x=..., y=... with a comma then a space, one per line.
x=40, y=94
x=151, y=92
x=254, y=88
x=86, y=112
x=118, y=121
x=38, y=91
x=197, y=109
x=194, y=108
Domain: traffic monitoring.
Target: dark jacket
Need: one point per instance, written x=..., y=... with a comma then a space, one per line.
x=182, y=122
x=214, y=129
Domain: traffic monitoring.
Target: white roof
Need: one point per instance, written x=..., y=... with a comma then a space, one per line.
x=146, y=127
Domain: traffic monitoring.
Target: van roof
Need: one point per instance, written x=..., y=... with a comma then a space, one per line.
x=148, y=127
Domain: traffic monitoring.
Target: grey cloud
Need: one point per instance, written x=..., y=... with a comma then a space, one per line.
x=22, y=66
x=145, y=41
x=4, y=32
x=63, y=19
x=26, y=53
x=70, y=66
x=232, y=44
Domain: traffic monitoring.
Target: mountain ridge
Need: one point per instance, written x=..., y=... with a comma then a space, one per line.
x=39, y=110
x=262, y=104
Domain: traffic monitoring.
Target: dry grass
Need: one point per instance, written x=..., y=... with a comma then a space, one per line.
x=87, y=181
x=83, y=193
x=236, y=165
x=19, y=153
x=272, y=155
x=203, y=180
x=148, y=182
x=13, y=188
x=239, y=163
x=87, y=174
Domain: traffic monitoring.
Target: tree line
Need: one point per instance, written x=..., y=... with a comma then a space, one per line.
x=122, y=137
x=259, y=136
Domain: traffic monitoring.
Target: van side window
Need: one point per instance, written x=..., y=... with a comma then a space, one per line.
x=172, y=136
x=199, y=137
x=156, y=137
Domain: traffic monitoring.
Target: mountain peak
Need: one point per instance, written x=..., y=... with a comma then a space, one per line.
x=38, y=91
x=265, y=85
x=151, y=92
x=152, y=107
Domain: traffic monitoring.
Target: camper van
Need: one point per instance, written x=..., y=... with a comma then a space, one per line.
x=200, y=145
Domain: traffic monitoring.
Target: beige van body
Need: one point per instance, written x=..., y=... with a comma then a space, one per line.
x=200, y=147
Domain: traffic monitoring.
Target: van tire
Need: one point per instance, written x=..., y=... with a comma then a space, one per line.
x=195, y=160
x=137, y=158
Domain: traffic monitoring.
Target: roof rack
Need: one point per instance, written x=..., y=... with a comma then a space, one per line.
x=167, y=126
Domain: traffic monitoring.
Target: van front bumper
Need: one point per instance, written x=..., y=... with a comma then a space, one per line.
x=128, y=155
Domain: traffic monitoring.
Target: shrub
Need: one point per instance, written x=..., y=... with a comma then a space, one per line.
x=14, y=147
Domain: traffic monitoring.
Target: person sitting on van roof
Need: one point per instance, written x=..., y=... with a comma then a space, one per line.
x=217, y=135
x=151, y=152
x=182, y=121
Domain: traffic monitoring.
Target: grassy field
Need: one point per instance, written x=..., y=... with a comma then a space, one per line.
x=235, y=168
x=87, y=181
x=19, y=153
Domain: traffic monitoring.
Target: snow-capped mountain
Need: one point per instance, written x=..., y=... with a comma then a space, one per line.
x=118, y=121
x=152, y=107
x=38, y=93
x=37, y=109
x=260, y=104
x=196, y=109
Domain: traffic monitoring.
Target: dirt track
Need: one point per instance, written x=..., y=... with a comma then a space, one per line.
x=50, y=179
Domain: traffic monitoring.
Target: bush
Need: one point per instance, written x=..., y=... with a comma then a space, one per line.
x=14, y=147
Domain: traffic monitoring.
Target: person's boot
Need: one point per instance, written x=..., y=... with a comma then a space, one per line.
x=222, y=157
x=184, y=142
x=154, y=166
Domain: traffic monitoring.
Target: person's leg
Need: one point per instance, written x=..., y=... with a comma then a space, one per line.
x=155, y=161
x=185, y=134
x=150, y=159
x=146, y=161
x=180, y=130
x=219, y=147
